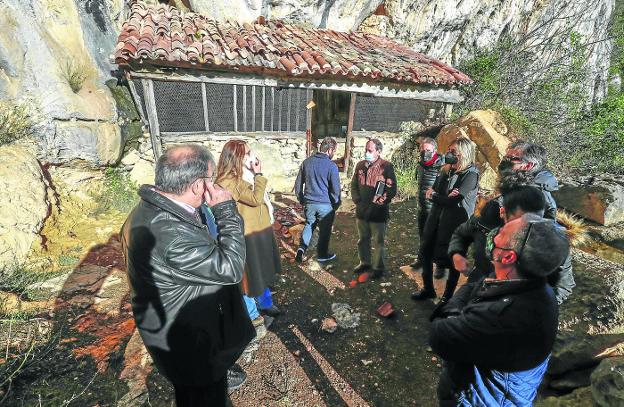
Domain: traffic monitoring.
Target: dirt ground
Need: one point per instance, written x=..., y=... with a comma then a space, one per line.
x=92, y=356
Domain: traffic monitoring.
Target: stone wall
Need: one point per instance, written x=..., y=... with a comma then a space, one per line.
x=281, y=154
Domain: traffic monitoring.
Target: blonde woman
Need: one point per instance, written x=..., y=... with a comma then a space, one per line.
x=239, y=171
x=454, y=195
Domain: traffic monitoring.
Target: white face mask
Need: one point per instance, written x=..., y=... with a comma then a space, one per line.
x=250, y=160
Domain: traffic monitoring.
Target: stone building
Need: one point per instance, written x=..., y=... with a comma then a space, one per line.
x=281, y=87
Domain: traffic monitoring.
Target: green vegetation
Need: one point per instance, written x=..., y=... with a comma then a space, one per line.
x=75, y=74
x=119, y=192
x=21, y=280
x=539, y=84
x=15, y=122
x=405, y=171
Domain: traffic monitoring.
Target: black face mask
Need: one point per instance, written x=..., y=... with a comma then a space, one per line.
x=505, y=167
x=426, y=156
x=450, y=158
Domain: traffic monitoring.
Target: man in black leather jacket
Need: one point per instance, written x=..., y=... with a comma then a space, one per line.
x=185, y=296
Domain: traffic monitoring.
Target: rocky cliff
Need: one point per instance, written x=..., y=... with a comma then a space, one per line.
x=54, y=53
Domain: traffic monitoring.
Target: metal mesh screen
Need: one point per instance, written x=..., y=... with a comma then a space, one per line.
x=179, y=106
x=220, y=100
x=387, y=114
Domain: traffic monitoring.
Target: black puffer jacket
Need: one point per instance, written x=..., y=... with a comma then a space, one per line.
x=185, y=297
x=426, y=175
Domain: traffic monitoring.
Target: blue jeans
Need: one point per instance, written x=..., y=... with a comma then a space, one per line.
x=252, y=309
x=321, y=215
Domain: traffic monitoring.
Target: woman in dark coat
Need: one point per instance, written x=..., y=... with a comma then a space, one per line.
x=239, y=171
x=454, y=195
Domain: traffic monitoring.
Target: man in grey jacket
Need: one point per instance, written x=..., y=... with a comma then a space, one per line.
x=185, y=297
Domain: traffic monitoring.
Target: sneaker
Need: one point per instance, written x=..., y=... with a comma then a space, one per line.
x=377, y=273
x=330, y=256
x=235, y=378
x=423, y=295
x=299, y=256
x=361, y=268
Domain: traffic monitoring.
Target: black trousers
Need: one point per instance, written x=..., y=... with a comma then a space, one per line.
x=212, y=395
x=427, y=248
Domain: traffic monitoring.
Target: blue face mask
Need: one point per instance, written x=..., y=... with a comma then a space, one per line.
x=369, y=157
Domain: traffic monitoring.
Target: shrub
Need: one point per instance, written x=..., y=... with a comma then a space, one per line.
x=20, y=278
x=15, y=122
x=119, y=192
x=75, y=74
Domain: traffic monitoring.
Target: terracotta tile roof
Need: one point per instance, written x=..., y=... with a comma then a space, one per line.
x=165, y=36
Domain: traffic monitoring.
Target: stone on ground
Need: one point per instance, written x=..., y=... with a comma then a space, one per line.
x=599, y=200
x=607, y=382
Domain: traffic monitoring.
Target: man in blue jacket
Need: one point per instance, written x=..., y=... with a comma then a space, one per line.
x=318, y=189
x=496, y=335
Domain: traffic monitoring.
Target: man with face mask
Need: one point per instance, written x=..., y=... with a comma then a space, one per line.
x=185, y=297
x=372, y=188
x=428, y=169
x=524, y=164
x=318, y=189
x=496, y=335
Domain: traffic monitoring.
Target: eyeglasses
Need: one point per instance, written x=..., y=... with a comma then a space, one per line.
x=514, y=158
x=211, y=178
x=490, y=245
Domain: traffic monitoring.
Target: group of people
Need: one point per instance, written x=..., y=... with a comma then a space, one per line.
x=201, y=257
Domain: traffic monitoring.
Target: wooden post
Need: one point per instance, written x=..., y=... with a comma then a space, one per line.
x=309, y=97
x=347, y=155
x=152, y=116
x=205, y=103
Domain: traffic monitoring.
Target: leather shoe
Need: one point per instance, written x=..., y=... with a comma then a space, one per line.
x=272, y=311
x=423, y=295
x=235, y=378
x=299, y=256
x=416, y=265
x=361, y=268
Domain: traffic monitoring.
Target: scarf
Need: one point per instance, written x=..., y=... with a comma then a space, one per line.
x=249, y=176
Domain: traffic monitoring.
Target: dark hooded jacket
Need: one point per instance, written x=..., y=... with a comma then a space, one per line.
x=185, y=297
x=495, y=337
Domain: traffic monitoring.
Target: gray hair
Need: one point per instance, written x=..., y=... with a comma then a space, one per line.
x=178, y=167
x=429, y=140
x=531, y=153
x=378, y=145
x=327, y=144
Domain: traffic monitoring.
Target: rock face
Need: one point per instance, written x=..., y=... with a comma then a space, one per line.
x=487, y=130
x=54, y=57
x=608, y=382
x=452, y=31
x=598, y=199
x=23, y=205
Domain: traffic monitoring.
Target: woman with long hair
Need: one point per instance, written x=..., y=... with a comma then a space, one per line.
x=239, y=171
x=454, y=195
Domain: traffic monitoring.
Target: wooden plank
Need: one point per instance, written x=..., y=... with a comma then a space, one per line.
x=235, y=111
x=205, y=103
x=263, y=106
x=347, y=155
x=253, y=108
x=136, y=99
x=244, y=108
x=309, y=97
x=152, y=116
x=431, y=93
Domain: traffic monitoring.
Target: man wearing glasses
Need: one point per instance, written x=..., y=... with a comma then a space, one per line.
x=185, y=297
x=496, y=335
